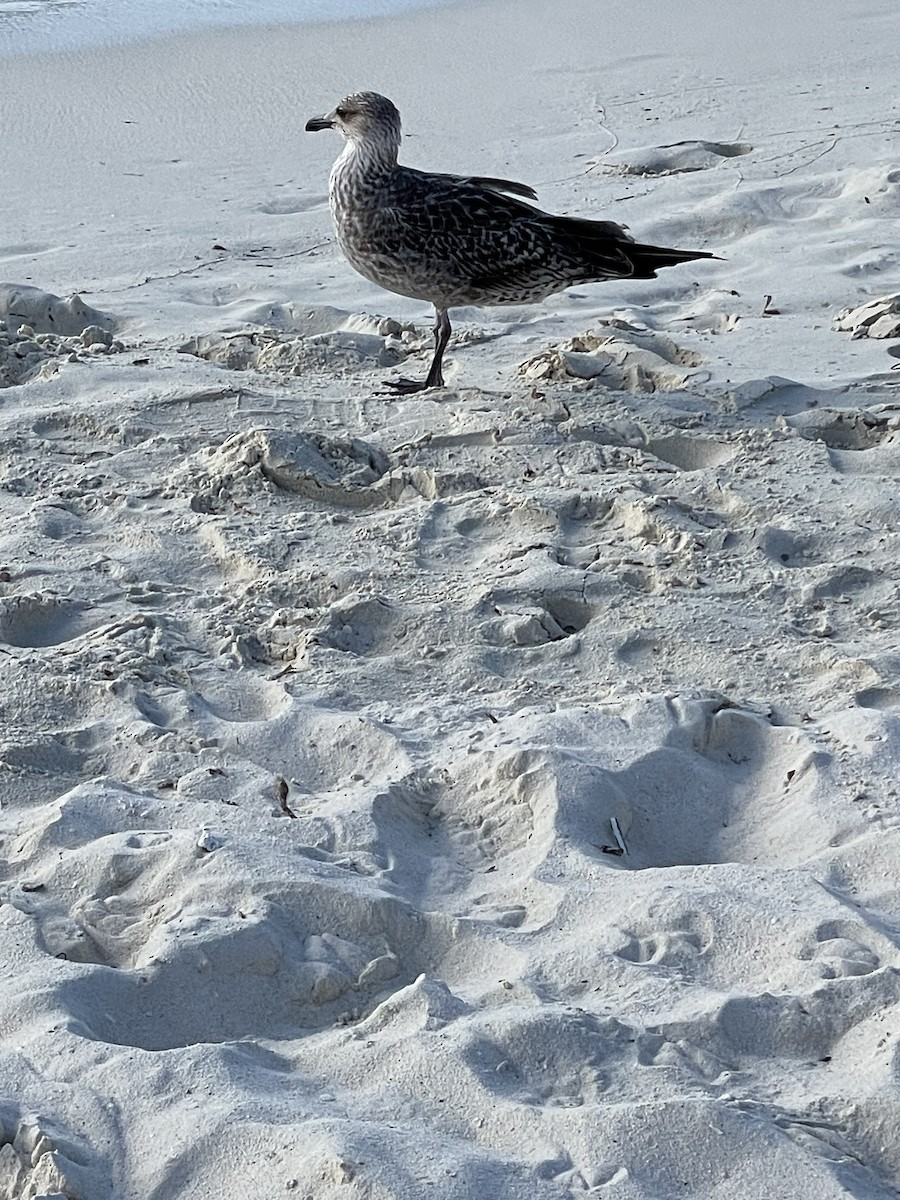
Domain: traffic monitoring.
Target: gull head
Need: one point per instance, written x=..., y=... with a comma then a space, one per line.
x=362, y=117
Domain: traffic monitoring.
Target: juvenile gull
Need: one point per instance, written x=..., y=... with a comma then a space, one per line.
x=454, y=239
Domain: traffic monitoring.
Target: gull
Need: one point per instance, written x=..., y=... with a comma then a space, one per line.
x=460, y=239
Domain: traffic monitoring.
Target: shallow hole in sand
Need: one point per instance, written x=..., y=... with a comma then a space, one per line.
x=691, y=453
x=36, y=621
x=878, y=698
x=245, y=698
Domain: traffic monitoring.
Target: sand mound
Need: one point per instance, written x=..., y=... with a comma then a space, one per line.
x=630, y=359
x=328, y=340
x=875, y=319
x=26, y=355
x=46, y=313
x=692, y=155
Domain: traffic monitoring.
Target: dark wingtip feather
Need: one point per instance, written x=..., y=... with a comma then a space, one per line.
x=509, y=186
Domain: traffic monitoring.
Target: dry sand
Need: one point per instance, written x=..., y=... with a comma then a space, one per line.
x=488, y=794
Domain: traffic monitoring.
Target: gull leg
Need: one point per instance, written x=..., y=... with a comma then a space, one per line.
x=435, y=377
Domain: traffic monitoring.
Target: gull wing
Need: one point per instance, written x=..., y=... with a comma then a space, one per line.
x=493, y=241
x=501, y=186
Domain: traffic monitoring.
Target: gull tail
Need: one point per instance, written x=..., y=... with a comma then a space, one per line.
x=608, y=249
x=647, y=260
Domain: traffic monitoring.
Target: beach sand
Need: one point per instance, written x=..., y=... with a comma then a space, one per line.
x=486, y=794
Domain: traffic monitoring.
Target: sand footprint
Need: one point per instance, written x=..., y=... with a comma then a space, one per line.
x=525, y=620
x=692, y=452
x=270, y=964
x=845, y=428
x=339, y=471
x=42, y=621
x=878, y=698
x=364, y=625
x=560, y=1061
x=835, y=950
x=674, y=948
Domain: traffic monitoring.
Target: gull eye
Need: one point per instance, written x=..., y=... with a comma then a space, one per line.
x=342, y=112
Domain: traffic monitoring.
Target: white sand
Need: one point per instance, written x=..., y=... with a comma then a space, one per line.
x=638, y=592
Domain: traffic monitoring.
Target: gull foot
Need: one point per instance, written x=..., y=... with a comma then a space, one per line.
x=405, y=387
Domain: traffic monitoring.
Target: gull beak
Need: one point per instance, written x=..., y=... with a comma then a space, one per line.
x=314, y=124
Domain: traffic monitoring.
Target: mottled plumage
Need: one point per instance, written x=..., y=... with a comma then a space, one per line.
x=453, y=239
